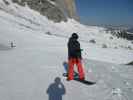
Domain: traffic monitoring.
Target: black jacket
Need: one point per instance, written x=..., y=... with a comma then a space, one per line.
x=74, y=50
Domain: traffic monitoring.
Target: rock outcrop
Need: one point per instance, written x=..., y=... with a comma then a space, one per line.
x=56, y=10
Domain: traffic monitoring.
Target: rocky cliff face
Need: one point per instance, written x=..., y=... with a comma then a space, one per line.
x=69, y=8
x=56, y=10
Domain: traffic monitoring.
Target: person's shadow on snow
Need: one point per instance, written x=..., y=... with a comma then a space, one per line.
x=56, y=90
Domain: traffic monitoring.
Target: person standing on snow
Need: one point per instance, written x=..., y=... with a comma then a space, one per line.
x=74, y=57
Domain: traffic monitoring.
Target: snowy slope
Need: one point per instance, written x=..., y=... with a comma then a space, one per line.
x=26, y=19
x=35, y=21
x=27, y=70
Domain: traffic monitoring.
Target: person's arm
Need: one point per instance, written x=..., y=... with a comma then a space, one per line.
x=78, y=46
x=78, y=50
x=63, y=88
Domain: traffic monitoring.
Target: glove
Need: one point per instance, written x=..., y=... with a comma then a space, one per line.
x=81, y=49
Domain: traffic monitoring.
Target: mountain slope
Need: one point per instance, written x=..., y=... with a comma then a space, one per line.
x=24, y=18
x=27, y=70
x=56, y=10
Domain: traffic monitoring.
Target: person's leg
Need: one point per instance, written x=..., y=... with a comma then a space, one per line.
x=70, y=69
x=80, y=69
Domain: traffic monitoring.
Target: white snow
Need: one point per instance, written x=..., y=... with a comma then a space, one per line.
x=27, y=70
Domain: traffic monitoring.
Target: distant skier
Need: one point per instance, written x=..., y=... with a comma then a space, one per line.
x=12, y=45
x=74, y=57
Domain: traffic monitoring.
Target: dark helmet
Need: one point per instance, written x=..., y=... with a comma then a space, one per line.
x=75, y=36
